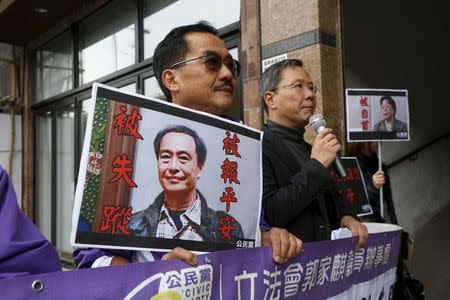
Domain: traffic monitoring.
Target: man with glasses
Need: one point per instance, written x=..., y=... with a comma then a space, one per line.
x=194, y=69
x=298, y=192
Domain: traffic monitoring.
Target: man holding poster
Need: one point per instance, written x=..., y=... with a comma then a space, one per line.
x=194, y=69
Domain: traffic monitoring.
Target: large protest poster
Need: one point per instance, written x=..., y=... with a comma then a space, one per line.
x=377, y=115
x=154, y=175
x=352, y=188
x=325, y=270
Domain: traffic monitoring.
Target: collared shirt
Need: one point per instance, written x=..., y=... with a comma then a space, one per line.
x=190, y=220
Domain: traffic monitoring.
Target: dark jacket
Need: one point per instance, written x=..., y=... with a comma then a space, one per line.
x=300, y=198
x=397, y=126
x=369, y=166
x=145, y=223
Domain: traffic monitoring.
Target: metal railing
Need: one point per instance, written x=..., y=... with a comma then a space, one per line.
x=411, y=154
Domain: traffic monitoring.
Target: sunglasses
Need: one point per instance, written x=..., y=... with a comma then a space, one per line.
x=213, y=61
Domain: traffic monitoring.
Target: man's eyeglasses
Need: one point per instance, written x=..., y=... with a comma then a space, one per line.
x=300, y=87
x=213, y=61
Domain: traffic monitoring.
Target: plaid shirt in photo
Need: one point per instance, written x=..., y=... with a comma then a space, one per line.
x=167, y=229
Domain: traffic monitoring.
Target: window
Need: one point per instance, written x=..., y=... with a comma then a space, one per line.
x=84, y=109
x=129, y=88
x=64, y=176
x=6, y=74
x=151, y=88
x=54, y=67
x=107, y=40
x=55, y=174
x=162, y=16
x=43, y=173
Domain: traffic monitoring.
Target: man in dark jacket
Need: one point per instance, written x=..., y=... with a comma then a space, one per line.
x=181, y=211
x=299, y=194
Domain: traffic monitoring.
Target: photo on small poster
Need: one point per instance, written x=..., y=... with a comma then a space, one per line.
x=377, y=115
x=155, y=175
x=353, y=188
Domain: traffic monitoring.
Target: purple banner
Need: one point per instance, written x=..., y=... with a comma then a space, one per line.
x=324, y=270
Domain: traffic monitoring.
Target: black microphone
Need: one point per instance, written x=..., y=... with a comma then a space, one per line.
x=318, y=123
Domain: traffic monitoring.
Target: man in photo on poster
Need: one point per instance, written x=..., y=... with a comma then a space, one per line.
x=181, y=211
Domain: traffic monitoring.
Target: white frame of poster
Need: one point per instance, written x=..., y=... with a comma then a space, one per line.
x=373, y=97
x=162, y=114
x=363, y=183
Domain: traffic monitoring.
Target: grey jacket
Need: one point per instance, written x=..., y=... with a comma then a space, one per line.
x=398, y=126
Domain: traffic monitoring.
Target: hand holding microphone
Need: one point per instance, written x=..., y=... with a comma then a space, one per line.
x=326, y=145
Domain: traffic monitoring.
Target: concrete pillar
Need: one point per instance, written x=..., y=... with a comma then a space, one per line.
x=28, y=158
x=309, y=30
x=251, y=61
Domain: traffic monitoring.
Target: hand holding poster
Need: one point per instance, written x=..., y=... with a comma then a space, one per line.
x=154, y=175
x=377, y=115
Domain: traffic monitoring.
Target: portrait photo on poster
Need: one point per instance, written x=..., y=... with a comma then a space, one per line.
x=158, y=176
x=377, y=115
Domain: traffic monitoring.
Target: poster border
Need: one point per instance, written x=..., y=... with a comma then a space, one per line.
x=110, y=93
x=364, y=184
x=375, y=92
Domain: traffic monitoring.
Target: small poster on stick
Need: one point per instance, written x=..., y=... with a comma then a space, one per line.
x=377, y=115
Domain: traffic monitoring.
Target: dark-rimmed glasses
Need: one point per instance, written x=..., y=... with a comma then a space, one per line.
x=300, y=87
x=213, y=61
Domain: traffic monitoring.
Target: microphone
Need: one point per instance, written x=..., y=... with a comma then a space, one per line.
x=318, y=123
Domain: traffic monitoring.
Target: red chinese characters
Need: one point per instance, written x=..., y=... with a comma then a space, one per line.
x=128, y=124
x=352, y=174
x=115, y=218
x=349, y=195
x=230, y=145
x=228, y=197
x=226, y=227
x=121, y=168
x=229, y=174
x=347, y=192
x=364, y=113
x=365, y=125
x=363, y=101
x=230, y=171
